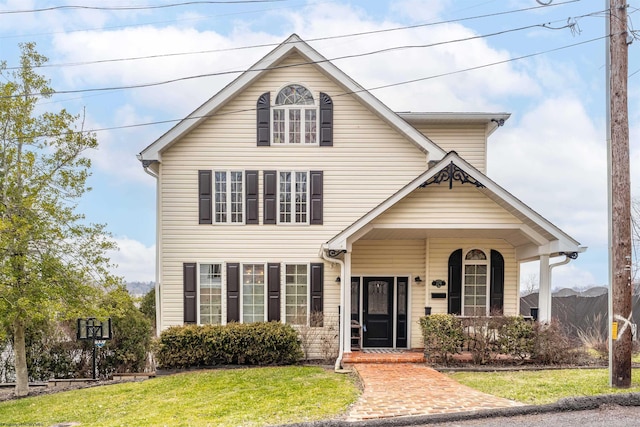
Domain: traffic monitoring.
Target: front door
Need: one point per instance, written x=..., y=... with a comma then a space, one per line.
x=377, y=311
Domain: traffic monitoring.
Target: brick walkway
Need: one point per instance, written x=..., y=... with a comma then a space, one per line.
x=401, y=389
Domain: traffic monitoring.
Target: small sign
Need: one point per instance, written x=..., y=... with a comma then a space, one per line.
x=614, y=330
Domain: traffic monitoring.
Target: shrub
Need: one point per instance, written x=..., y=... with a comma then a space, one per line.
x=127, y=351
x=443, y=336
x=481, y=336
x=261, y=343
x=516, y=337
x=552, y=346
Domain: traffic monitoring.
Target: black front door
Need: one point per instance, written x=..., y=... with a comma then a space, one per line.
x=377, y=311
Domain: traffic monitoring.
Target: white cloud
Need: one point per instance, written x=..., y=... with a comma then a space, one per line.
x=554, y=160
x=564, y=276
x=135, y=261
x=116, y=153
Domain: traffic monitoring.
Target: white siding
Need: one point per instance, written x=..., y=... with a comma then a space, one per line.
x=358, y=175
x=368, y=163
x=469, y=141
x=437, y=204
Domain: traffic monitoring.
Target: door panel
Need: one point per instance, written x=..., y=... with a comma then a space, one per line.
x=377, y=311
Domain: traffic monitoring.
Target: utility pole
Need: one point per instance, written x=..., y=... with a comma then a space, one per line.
x=620, y=309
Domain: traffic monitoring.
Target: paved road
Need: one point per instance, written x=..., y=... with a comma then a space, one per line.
x=605, y=416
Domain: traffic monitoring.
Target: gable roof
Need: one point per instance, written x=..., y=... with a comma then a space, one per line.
x=292, y=44
x=537, y=228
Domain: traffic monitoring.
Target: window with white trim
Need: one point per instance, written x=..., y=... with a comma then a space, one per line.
x=475, y=268
x=229, y=197
x=253, y=293
x=295, y=116
x=293, y=189
x=210, y=294
x=296, y=294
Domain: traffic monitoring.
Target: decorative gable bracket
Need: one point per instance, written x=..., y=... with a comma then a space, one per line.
x=452, y=173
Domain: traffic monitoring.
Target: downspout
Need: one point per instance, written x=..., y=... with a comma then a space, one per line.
x=568, y=256
x=145, y=166
x=338, y=365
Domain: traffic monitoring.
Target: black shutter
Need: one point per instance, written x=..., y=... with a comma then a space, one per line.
x=317, y=286
x=189, y=281
x=326, y=120
x=270, y=199
x=233, y=292
x=251, y=197
x=497, y=283
x=455, y=282
x=273, y=289
x=316, y=197
x=263, y=120
x=204, y=197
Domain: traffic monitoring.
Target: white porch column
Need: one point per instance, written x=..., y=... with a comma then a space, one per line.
x=346, y=310
x=544, y=296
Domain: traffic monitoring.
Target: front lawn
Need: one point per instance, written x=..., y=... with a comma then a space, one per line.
x=546, y=386
x=247, y=397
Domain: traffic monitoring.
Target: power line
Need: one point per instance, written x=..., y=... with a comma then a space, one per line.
x=137, y=125
x=358, y=34
x=166, y=21
x=358, y=55
x=126, y=8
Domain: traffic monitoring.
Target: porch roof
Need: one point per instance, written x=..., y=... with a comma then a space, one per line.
x=532, y=235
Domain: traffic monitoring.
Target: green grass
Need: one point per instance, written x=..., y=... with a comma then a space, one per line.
x=547, y=386
x=247, y=397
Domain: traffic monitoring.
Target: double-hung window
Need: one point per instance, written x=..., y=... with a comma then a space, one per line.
x=210, y=294
x=295, y=116
x=253, y=293
x=296, y=293
x=229, y=196
x=294, y=197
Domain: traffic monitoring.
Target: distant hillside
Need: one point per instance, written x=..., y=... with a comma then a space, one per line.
x=139, y=288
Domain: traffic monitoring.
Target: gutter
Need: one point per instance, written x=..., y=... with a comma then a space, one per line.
x=323, y=254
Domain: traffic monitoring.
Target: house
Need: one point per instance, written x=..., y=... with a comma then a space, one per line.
x=294, y=192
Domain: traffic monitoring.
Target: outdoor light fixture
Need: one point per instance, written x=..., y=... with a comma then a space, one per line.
x=338, y=279
x=418, y=280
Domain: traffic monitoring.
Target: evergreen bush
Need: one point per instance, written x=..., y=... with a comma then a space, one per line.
x=261, y=343
x=443, y=336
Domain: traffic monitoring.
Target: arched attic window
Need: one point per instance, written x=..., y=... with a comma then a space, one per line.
x=295, y=118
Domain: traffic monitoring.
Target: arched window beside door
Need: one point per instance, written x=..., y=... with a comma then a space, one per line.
x=476, y=283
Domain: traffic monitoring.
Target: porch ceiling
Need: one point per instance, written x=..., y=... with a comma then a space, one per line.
x=514, y=237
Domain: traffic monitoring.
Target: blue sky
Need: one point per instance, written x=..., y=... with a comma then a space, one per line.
x=551, y=153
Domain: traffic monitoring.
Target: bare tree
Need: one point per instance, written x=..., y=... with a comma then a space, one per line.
x=529, y=284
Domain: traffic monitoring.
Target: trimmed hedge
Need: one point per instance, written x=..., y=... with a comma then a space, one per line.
x=443, y=336
x=262, y=343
